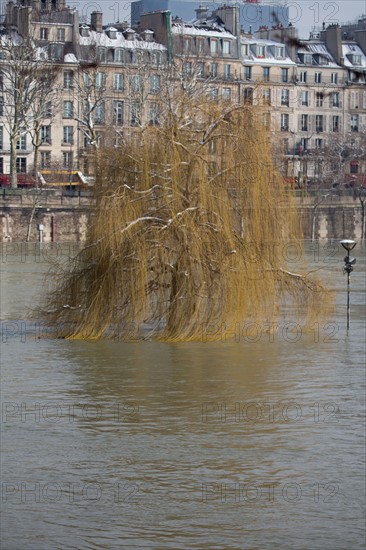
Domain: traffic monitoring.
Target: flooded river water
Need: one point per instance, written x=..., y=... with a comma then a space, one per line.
x=256, y=443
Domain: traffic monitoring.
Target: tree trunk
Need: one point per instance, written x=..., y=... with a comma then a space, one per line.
x=313, y=223
x=31, y=220
x=363, y=220
x=35, y=164
x=13, y=163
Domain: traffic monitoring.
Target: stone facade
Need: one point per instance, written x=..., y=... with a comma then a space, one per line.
x=65, y=219
x=110, y=80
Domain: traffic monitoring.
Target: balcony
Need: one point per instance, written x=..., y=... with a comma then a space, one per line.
x=298, y=152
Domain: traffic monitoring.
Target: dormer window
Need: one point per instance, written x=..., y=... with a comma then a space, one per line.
x=226, y=47
x=213, y=46
x=308, y=59
x=244, y=50
x=320, y=59
x=118, y=56
x=56, y=51
x=102, y=55
x=261, y=51
x=354, y=59
x=280, y=52
x=61, y=34
x=84, y=31
x=148, y=35
x=266, y=73
x=130, y=34
x=112, y=33
x=156, y=58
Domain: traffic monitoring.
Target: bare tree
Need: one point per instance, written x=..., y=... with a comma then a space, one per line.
x=41, y=110
x=340, y=152
x=362, y=198
x=91, y=91
x=24, y=66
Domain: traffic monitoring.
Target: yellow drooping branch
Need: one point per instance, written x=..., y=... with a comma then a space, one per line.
x=179, y=211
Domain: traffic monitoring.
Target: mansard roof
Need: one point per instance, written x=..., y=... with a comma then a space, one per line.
x=270, y=56
x=319, y=53
x=353, y=49
x=103, y=40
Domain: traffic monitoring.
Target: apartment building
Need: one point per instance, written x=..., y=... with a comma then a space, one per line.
x=252, y=13
x=312, y=95
x=108, y=80
x=323, y=107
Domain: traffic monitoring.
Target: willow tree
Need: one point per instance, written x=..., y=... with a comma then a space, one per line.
x=180, y=239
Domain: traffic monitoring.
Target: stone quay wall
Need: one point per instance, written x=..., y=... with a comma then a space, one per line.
x=64, y=218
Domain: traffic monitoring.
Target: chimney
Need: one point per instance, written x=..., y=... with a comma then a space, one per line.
x=96, y=21
x=332, y=36
x=111, y=33
x=201, y=12
x=230, y=16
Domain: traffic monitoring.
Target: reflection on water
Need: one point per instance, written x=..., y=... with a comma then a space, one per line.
x=253, y=445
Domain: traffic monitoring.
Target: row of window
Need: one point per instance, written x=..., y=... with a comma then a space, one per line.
x=45, y=162
x=225, y=46
x=118, y=107
x=304, y=98
x=317, y=123
x=266, y=73
x=335, y=98
x=47, y=108
x=189, y=68
x=285, y=75
x=68, y=131
x=60, y=34
x=307, y=124
x=21, y=142
x=216, y=46
x=98, y=81
x=68, y=159
x=130, y=57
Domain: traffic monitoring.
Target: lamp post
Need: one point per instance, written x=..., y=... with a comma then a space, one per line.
x=348, y=268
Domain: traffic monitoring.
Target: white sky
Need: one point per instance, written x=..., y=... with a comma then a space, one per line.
x=304, y=14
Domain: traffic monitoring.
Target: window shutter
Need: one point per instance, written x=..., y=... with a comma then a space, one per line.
x=279, y=96
x=309, y=99
x=299, y=123
x=311, y=122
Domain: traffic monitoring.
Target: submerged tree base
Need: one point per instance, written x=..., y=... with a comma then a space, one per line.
x=188, y=234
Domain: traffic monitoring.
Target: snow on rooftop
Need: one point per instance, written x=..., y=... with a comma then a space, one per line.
x=269, y=57
x=352, y=49
x=321, y=49
x=261, y=42
x=213, y=32
x=102, y=39
x=70, y=58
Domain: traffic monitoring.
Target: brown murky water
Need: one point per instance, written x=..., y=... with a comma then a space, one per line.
x=257, y=443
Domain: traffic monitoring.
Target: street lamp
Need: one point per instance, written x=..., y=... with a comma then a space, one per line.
x=348, y=268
